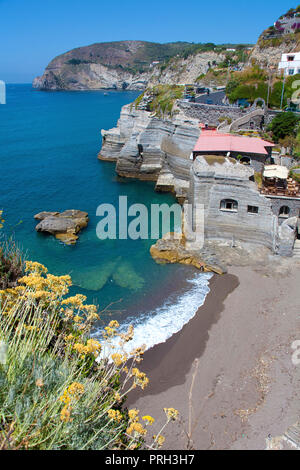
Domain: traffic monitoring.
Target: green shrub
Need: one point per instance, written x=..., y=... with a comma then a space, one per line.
x=284, y=124
x=60, y=388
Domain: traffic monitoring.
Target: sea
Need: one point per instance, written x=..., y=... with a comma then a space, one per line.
x=49, y=143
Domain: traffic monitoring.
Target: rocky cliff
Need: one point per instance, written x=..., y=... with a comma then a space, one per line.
x=282, y=37
x=128, y=65
x=267, y=55
x=150, y=148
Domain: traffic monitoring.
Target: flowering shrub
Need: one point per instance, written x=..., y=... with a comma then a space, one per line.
x=58, y=390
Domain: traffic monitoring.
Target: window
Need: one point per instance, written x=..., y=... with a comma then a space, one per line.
x=284, y=211
x=253, y=209
x=291, y=71
x=229, y=205
x=245, y=161
x=290, y=58
x=298, y=71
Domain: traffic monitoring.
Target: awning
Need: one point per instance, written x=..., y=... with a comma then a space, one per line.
x=276, y=171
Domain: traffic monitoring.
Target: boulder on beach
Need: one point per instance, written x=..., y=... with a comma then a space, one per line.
x=64, y=226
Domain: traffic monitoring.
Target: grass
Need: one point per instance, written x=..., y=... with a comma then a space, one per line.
x=212, y=159
x=161, y=99
x=258, y=178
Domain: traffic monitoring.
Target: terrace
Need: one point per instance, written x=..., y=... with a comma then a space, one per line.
x=276, y=182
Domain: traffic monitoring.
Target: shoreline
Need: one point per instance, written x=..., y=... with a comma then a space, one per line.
x=229, y=370
x=158, y=360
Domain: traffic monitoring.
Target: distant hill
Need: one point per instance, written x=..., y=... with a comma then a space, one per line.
x=126, y=64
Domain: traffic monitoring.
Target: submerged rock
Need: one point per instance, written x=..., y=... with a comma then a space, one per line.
x=64, y=226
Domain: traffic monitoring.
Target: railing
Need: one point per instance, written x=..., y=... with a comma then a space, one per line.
x=285, y=192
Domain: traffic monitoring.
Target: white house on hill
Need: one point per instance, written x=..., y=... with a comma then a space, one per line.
x=290, y=63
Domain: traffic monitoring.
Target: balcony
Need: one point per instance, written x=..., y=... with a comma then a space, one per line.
x=289, y=188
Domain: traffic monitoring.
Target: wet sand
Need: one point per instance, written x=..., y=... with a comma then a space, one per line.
x=237, y=353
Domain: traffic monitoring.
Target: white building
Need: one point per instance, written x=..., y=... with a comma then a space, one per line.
x=290, y=63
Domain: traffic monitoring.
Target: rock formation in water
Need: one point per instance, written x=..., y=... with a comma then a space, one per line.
x=64, y=226
x=151, y=148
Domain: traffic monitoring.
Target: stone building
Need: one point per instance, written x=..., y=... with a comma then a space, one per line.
x=233, y=206
x=235, y=209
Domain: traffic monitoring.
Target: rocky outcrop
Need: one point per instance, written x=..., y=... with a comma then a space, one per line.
x=186, y=70
x=150, y=148
x=64, y=226
x=271, y=56
x=171, y=249
x=286, y=236
x=89, y=77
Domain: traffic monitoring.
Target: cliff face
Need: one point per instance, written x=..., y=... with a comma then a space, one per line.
x=150, y=148
x=186, y=70
x=88, y=77
x=282, y=37
x=125, y=65
x=268, y=55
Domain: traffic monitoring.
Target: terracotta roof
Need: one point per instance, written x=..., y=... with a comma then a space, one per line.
x=214, y=141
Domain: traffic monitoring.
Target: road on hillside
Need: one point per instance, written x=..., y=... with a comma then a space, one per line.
x=213, y=98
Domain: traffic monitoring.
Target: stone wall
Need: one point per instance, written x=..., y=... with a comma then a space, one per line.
x=210, y=113
x=278, y=201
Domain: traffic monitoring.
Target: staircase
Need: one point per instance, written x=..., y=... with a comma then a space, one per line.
x=240, y=121
x=296, y=253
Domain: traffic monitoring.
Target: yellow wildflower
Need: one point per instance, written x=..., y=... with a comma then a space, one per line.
x=149, y=419
x=70, y=337
x=65, y=414
x=80, y=348
x=159, y=439
x=118, y=359
x=93, y=347
x=136, y=428
x=77, y=300
x=33, y=266
x=76, y=389
x=171, y=413
x=129, y=335
x=77, y=319
x=133, y=414
x=140, y=377
x=115, y=415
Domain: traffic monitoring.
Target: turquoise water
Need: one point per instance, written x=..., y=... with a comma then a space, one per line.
x=48, y=155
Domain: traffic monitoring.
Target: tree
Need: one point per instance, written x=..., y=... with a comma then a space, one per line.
x=289, y=143
x=284, y=124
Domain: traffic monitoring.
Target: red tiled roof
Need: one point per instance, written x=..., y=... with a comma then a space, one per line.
x=213, y=141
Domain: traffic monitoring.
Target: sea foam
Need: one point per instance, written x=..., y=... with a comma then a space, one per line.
x=158, y=325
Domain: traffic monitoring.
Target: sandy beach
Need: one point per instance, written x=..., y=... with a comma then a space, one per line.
x=229, y=371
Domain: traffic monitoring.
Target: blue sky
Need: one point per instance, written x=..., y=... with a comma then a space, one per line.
x=32, y=32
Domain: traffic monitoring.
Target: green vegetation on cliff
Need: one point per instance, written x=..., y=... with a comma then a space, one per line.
x=253, y=83
x=160, y=99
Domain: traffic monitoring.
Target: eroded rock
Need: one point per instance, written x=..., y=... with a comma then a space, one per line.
x=64, y=226
x=171, y=249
